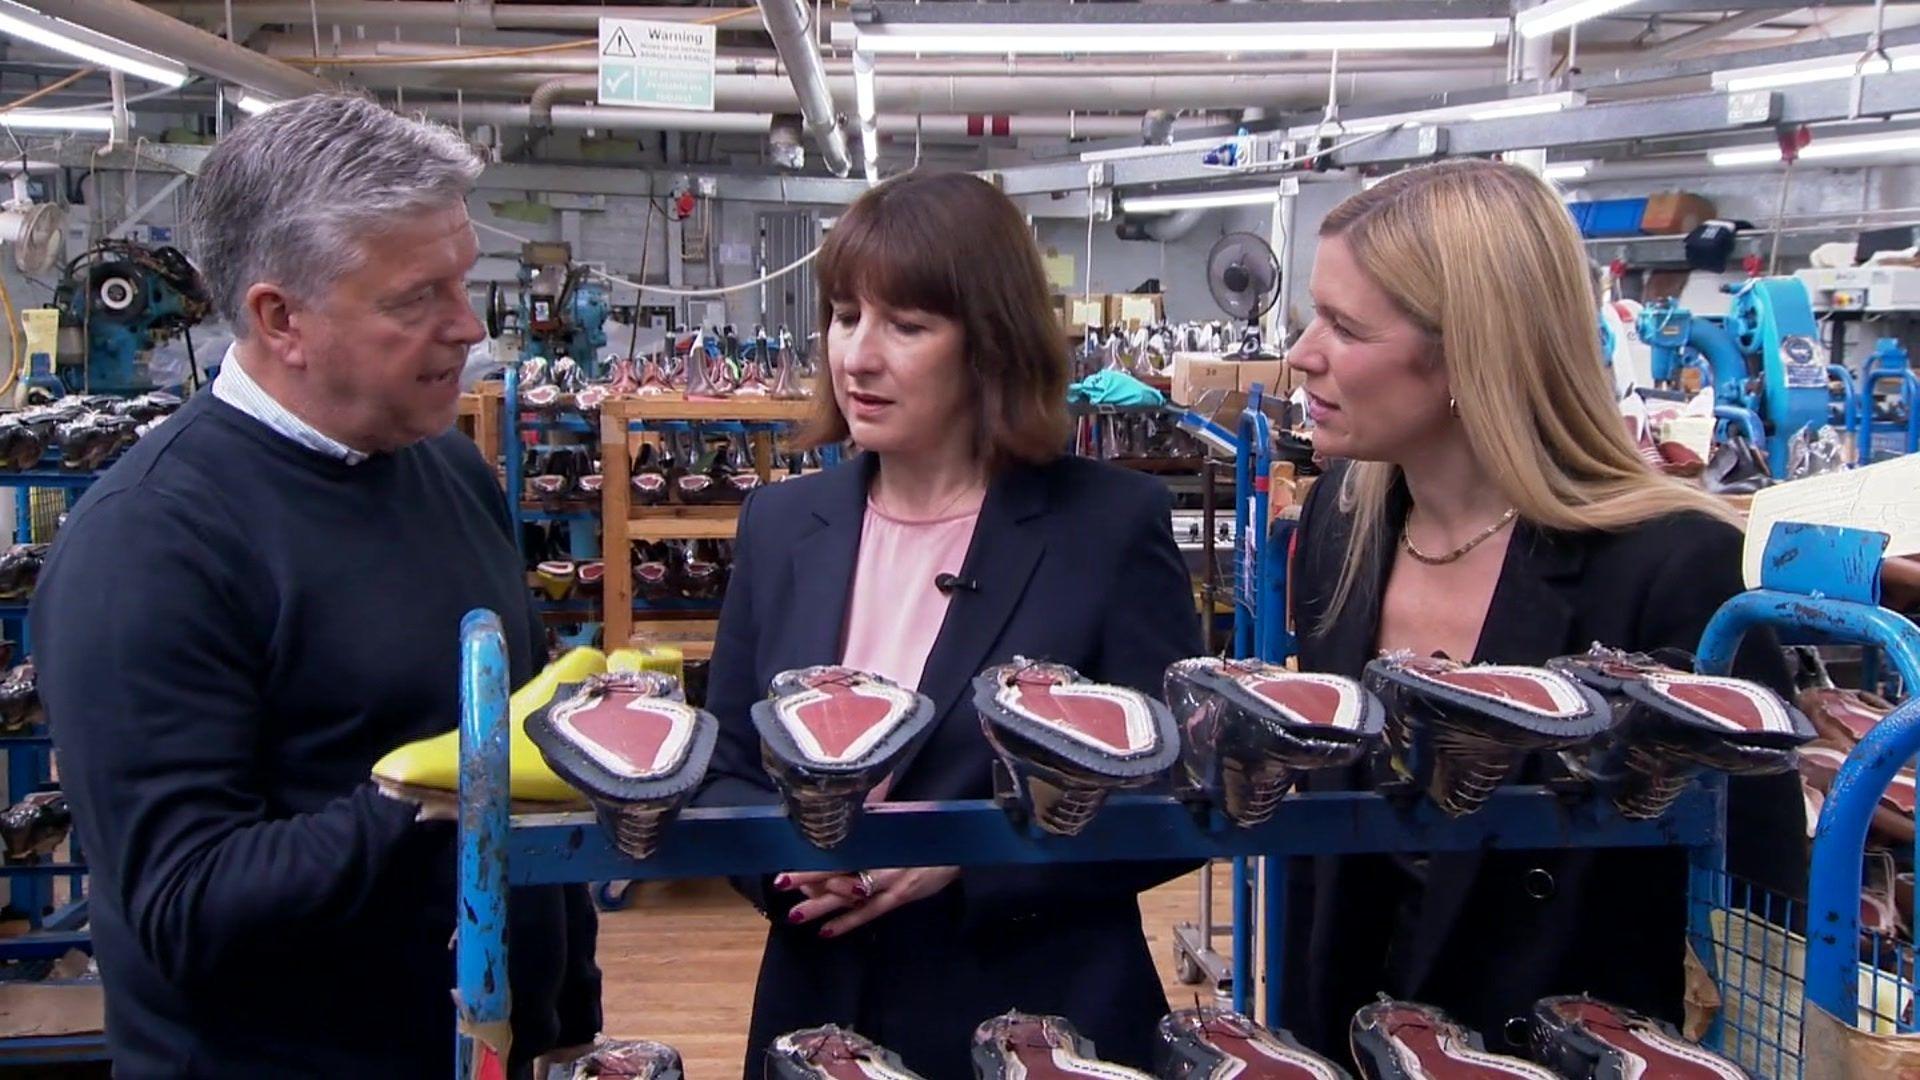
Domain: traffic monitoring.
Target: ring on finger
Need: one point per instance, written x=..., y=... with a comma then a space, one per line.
x=867, y=887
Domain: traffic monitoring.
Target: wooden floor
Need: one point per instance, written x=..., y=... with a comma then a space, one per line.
x=679, y=964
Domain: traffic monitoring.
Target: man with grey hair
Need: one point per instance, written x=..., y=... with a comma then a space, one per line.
x=261, y=599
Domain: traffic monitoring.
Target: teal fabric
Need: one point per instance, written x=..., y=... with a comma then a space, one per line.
x=1109, y=387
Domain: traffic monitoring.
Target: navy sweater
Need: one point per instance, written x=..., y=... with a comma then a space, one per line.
x=229, y=632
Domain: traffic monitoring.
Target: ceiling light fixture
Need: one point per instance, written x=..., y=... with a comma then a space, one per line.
x=254, y=105
x=1198, y=200
x=1556, y=15
x=1825, y=69
x=23, y=22
x=42, y=120
x=1060, y=39
x=1818, y=150
x=1567, y=170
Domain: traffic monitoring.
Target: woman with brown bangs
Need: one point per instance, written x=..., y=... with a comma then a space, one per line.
x=946, y=367
x=1488, y=505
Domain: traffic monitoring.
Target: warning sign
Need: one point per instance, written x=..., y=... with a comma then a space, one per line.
x=656, y=65
x=619, y=45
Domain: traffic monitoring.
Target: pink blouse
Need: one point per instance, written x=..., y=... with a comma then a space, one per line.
x=896, y=611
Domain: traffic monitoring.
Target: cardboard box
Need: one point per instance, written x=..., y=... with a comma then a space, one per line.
x=1083, y=312
x=1273, y=376
x=1195, y=372
x=1675, y=212
x=1133, y=310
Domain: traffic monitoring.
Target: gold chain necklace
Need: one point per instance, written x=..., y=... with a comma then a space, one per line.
x=1406, y=542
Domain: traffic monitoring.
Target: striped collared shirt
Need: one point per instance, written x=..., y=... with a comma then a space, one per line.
x=235, y=387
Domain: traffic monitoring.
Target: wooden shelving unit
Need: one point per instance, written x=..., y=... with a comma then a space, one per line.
x=479, y=418
x=624, y=523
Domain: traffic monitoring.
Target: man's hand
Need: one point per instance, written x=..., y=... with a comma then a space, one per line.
x=863, y=898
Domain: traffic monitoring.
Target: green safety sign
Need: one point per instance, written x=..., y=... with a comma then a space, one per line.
x=656, y=65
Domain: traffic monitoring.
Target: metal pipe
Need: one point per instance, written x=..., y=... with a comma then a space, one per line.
x=199, y=50
x=472, y=14
x=540, y=106
x=787, y=22
x=604, y=118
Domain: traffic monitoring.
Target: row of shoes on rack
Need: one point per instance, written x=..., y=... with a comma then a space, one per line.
x=1148, y=351
x=688, y=471
x=1575, y=1037
x=1628, y=728
x=694, y=369
x=20, y=570
x=556, y=475
x=663, y=570
x=87, y=431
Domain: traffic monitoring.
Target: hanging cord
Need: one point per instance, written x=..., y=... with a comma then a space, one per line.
x=646, y=238
x=1086, y=291
x=47, y=89
x=1875, y=51
x=15, y=361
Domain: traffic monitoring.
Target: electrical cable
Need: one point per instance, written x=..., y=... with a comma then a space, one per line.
x=14, y=358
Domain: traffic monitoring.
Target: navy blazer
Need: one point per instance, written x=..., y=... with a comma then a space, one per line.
x=1483, y=935
x=1075, y=562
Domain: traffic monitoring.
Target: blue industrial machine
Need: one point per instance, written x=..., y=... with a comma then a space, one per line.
x=1763, y=358
x=560, y=313
x=1889, y=363
x=118, y=300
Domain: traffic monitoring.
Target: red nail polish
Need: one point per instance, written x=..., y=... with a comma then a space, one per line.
x=783, y=882
x=828, y=932
x=794, y=916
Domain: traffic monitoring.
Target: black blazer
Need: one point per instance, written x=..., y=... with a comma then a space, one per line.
x=1075, y=562
x=1484, y=935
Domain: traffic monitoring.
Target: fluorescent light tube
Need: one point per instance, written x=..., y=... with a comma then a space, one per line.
x=1533, y=105
x=23, y=22
x=1904, y=142
x=39, y=120
x=863, y=85
x=1567, y=170
x=1198, y=200
x=1826, y=69
x=1556, y=15
x=1244, y=38
x=254, y=106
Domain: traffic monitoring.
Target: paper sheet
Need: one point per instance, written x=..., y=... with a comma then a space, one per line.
x=1883, y=497
x=1062, y=271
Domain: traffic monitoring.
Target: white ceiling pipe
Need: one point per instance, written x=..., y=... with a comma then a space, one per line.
x=904, y=125
x=788, y=22
x=470, y=14
x=192, y=46
x=603, y=118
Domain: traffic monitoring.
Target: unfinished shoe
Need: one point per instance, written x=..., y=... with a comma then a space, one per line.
x=1018, y=1046
x=20, y=707
x=1219, y=1044
x=1841, y=717
x=556, y=577
x=1578, y=1036
x=639, y=1058
x=1399, y=1040
x=1066, y=742
x=1459, y=731
x=833, y=1053
x=634, y=749
x=654, y=380
x=828, y=736
x=1892, y=816
x=21, y=448
x=1249, y=729
x=33, y=827
x=621, y=380
x=589, y=575
x=20, y=570
x=428, y=770
x=1671, y=724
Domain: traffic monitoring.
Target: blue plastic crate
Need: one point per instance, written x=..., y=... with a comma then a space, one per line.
x=1614, y=217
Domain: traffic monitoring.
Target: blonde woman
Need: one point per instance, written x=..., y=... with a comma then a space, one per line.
x=1491, y=507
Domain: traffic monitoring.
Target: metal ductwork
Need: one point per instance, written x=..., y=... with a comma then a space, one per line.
x=946, y=127
x=787, y=22
x=199, y=50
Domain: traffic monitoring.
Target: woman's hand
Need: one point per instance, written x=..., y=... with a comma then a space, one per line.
x=863, y=897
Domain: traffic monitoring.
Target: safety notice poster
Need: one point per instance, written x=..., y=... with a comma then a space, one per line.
x=656, y=65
